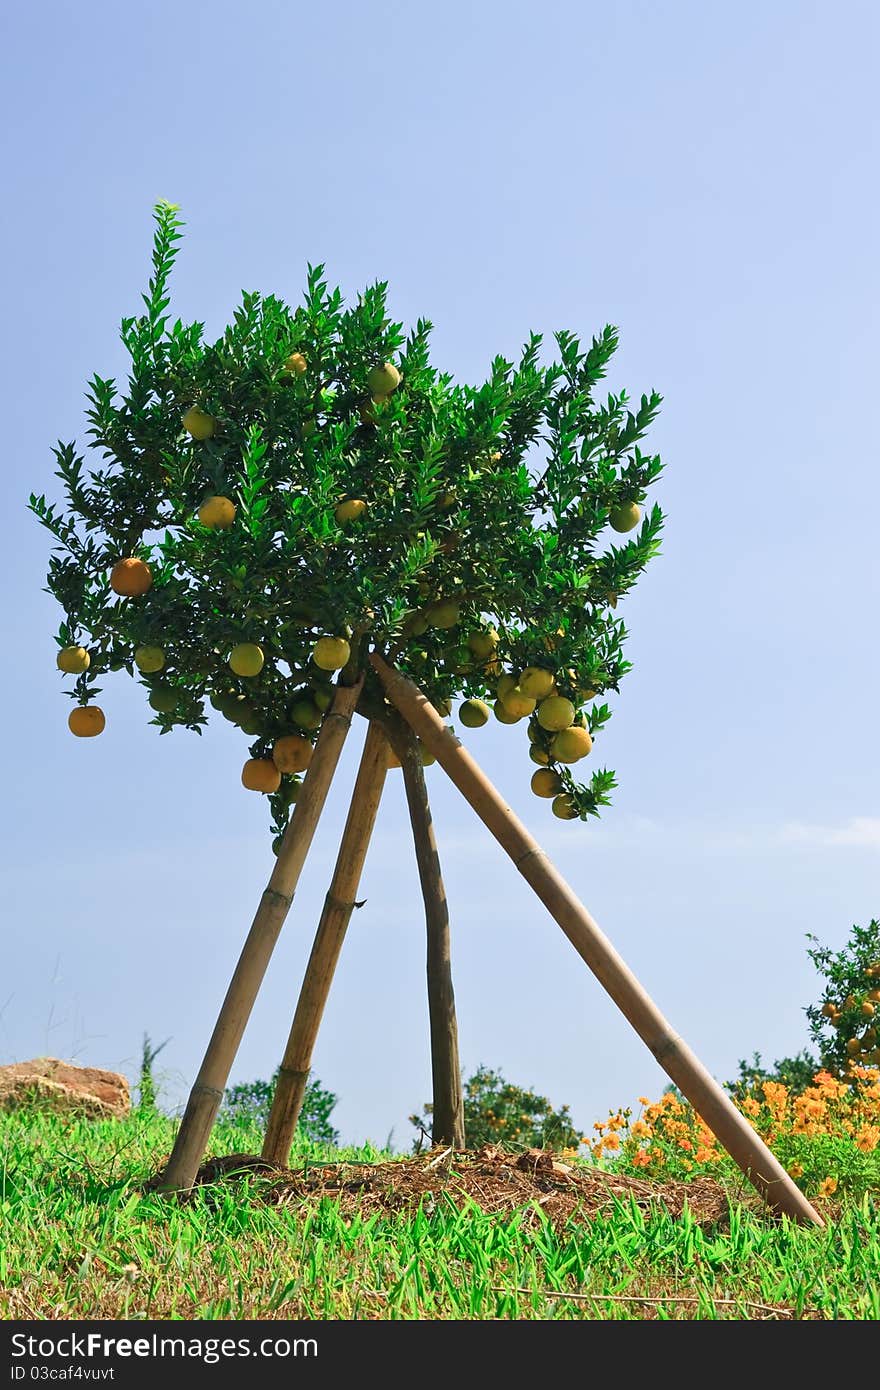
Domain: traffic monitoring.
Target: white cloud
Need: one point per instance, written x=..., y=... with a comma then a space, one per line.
x=862, y=832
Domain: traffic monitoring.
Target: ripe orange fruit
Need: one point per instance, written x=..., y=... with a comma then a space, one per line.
x=505, y=685
x=73, y=660
x=570, y=745
x=546, y=782
x=555, y=713
x=444, y=614
x=538, y=755
x=331, y=653
x=246, y=659
x=86, y=721
x=867, y=1009
x=564, y=807
x=260, y=775
x=352, y=509
x=536, y=682
x=874, y=996
x=149, y=660
x=516, y=702
x=853, y=1047
x=295, y=364
x=473, y=714
x=384, y=379
x=131, y=577
x=217, y=513
x=292, y=753
x=625, y=516
x=829, y=1009
x=198, y=423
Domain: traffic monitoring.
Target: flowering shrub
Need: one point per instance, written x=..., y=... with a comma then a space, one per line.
x=827, y=1137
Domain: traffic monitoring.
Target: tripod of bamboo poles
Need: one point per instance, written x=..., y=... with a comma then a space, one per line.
x=411, y=720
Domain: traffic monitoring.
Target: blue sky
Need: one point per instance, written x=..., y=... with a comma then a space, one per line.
x=702, y=176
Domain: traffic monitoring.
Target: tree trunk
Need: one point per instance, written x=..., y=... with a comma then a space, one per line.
x=448, y=1107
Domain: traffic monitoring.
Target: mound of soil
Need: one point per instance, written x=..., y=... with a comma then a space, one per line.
x=499, y=1182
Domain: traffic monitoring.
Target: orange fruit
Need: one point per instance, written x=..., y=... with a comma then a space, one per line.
x=516, y=702
x=875, y=996
x=199, y=423
x=538, y=755
x=555, y=713
x=384, y=379
x=163, y=699
x=331, y=653
x=867, y=1009
x=73, y=660
x=246, y=659
x=546, y=782
x=260, y=775
x=853, y=1047
x=86, y=721
x=536, y=682
x=292, y=753
x=444, y=614
x=503, y=714
x=149, y=660
x=473, y=714
x=625, y=516
x=131, y=577
x=570, y=745
x=305, y=713
x=295, y=364
x=829, y=1009
x=217, y=513
x=564, y=807
x=483, y=644
x=352, y=509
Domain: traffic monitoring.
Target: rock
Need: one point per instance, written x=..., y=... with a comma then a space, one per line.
x=49, y=1084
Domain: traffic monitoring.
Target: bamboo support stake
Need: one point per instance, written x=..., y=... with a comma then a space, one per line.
x=207, y=1092
x=447, y=1104
x=338, y=906
x=708, y=1098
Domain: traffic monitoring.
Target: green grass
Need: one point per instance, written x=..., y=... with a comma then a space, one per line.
x=79, y=1239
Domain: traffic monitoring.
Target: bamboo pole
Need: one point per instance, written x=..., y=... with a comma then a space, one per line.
x=705, y=1094
x=338, y=906
x=447, y=1105
x=207, y=1092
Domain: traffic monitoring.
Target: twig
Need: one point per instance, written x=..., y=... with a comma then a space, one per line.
x=635, y=1298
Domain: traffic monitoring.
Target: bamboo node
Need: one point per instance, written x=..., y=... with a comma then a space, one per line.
x=284, y=898
x=291, y=1071
x=202, y=1089
x=332, y=901
x=535, y=853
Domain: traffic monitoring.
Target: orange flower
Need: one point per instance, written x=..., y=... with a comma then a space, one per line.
x=795, y=1170
x=827, y=1187
x=867, y=1138
x=611, y=1141
x=704, y=1155
x=640, y=1130
x=641, y=1159
x=643, y=1100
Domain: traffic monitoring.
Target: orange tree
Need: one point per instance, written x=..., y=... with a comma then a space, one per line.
x=268, y=507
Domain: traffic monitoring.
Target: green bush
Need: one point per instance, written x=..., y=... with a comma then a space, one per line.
x=250, y=1101
x=498, y=1112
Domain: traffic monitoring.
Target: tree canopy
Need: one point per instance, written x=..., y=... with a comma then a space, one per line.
x=310, y=485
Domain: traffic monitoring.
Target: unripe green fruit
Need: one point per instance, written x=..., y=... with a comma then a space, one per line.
x=555, y=713
x=473, y=714
x=383, y=380
x=625, y=516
